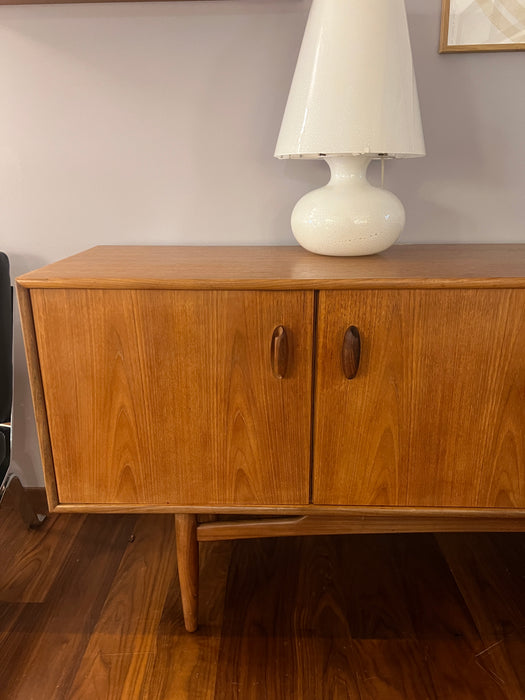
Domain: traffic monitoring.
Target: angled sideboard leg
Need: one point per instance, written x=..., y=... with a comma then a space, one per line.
x=188, y=564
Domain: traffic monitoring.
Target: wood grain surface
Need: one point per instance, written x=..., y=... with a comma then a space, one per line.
x=188, y=566
x=25, y=575
x=37, y=393
x=185, y=665
x=474, y=565
x=436, y=413
x=71, y=605
x=162, y=397
x=254, y=527
x=365, y=617
x=123, y=642
x=185, y=378
x=283, y=267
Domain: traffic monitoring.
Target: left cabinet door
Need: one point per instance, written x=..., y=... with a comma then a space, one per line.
x=161, y=397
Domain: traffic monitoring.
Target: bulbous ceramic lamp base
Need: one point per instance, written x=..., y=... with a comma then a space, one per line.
x=348, y=216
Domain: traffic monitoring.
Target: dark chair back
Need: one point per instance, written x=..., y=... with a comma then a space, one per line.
x=6, y=364
x=10, y=482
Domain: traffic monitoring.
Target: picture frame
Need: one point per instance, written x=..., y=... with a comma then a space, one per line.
x=482, y=25
x=64, y=2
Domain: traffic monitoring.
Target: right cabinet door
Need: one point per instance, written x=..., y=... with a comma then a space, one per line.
x=435, y=415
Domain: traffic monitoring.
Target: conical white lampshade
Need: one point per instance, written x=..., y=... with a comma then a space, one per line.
x=353, y=91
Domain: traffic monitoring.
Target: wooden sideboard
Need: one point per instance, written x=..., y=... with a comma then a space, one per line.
x=313, y=394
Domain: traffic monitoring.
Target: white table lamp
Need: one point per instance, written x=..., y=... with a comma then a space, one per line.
x=353, y=98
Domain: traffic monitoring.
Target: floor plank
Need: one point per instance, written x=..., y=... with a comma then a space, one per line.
x=448, y=638
x=257, y=657
x=30, y=558
x=123, y=642
x=44, y=648
x=90, y=608
x=490, y=574
x=186, y=664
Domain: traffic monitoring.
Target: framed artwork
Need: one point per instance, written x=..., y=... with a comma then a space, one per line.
x=482, y=25
x=58, y=2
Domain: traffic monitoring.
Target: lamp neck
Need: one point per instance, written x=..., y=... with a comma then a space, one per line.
x=348, y=167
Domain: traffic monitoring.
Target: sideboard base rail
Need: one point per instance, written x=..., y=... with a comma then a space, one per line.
x=192, y=529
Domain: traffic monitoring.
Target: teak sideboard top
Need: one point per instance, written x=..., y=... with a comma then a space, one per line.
x=283, y=267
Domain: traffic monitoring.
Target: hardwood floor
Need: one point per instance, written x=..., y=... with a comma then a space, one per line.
x=90, y=609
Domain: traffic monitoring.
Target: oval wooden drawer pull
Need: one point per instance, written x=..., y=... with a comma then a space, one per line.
x=351, y=352
x=279, y=352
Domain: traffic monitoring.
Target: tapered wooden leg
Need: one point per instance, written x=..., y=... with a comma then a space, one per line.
x=188, y=563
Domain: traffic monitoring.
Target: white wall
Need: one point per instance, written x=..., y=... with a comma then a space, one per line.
x=156, y=123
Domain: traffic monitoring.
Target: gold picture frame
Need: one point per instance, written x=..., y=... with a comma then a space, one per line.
x=482, y=25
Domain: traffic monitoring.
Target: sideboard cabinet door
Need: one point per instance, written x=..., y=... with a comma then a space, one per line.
x=435, y=414
x=162, y=397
